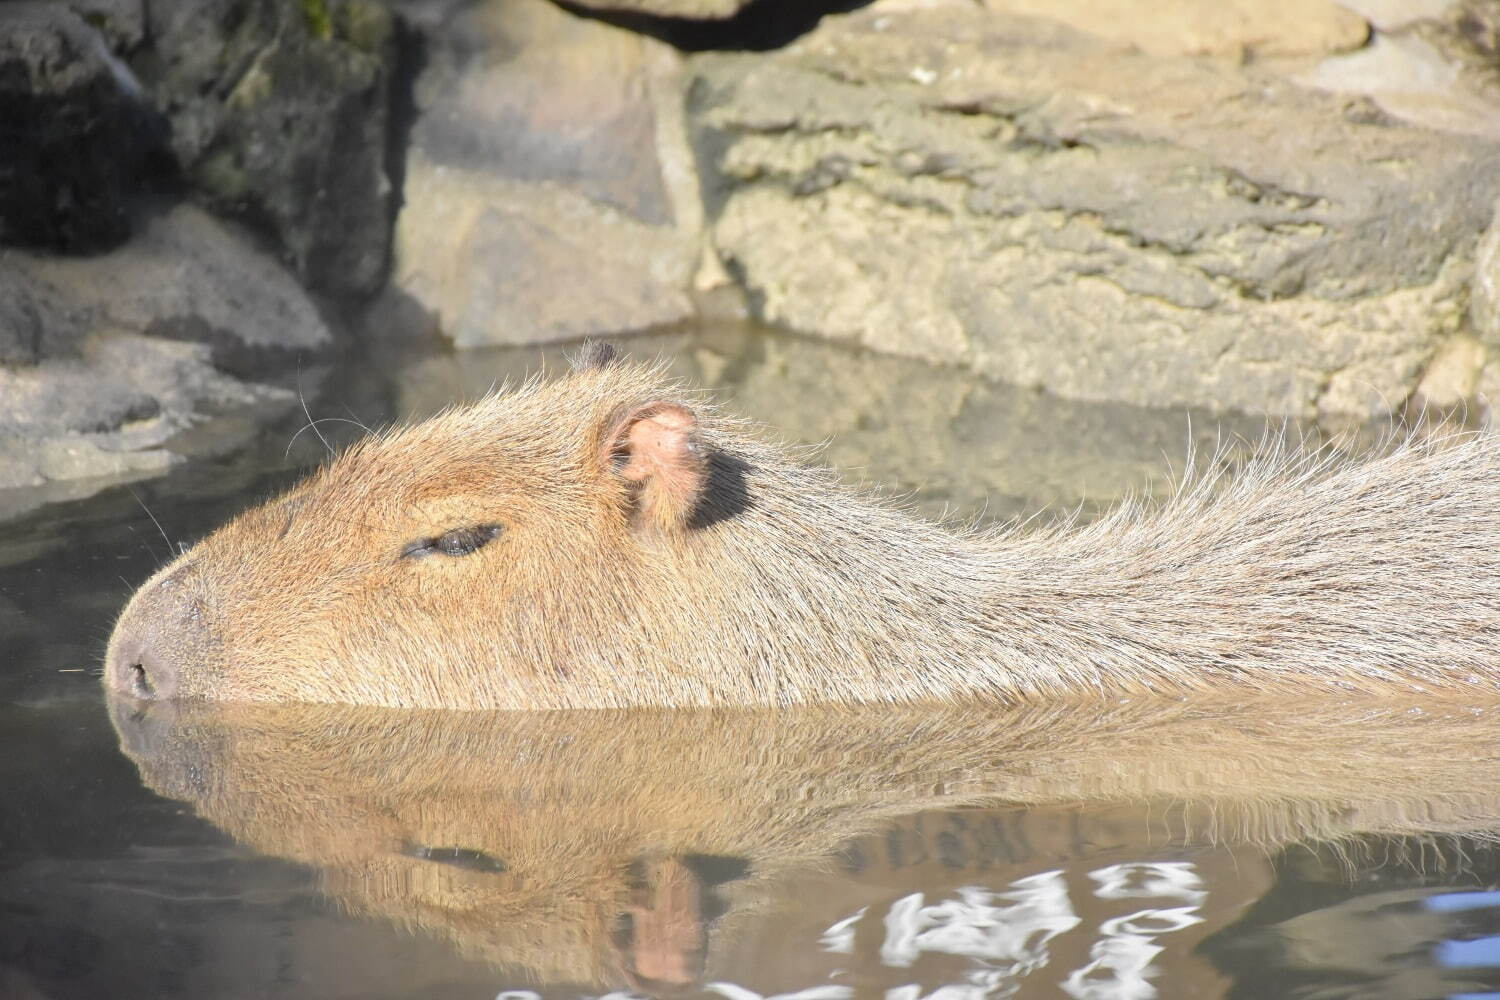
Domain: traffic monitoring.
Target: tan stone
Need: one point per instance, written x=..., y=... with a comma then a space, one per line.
x=1232, y=28
x=1453, y=374
x=1393, y=15
x=1409, y=78
x=502, y=262
x=1059, y=211
x=550, y=190
x=1484, y=292
x=1488, y=393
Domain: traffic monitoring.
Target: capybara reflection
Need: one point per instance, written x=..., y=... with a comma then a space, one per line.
x=605, y=540
x=644, y=848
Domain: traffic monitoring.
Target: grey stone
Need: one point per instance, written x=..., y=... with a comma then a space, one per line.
x=1236, y=29
x=121, y=22
x=1411, y=79
x=121, y=410
x=113, y=367
x=1064, y=211
x=550, y=192
x=185, y=275
x=76, y=132
x=36, y=319
x=279, y=112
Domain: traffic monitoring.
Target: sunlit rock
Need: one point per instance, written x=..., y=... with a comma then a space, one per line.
x=549, y=189
x=1063, y=210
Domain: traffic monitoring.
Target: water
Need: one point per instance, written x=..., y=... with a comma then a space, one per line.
x=1247, y=850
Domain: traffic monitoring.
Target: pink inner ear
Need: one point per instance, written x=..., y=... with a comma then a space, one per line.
x=660, y=447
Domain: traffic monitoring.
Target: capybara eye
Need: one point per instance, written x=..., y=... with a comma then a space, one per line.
x=458, y=542
x=458, y=857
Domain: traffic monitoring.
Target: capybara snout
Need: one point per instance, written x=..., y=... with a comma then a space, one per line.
x=165, y=625
x=604, y=540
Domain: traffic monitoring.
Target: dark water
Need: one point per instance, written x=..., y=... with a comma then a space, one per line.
x=1128, y=851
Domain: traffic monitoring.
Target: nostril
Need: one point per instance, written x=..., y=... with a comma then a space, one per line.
x=140, y=684
x=134, y=668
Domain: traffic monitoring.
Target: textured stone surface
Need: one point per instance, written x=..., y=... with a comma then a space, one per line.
x=74, y=132
x=1238, y=29
x=1484, y=293
x=116, y=411
x=279, y=114
x=1392, y=15
x=185, y=275
x=36, y=319
x=116, y=366
x=1064, y=211
x=549, y=192
x=121, y=22
x=1452, y=377
x=1411, y=79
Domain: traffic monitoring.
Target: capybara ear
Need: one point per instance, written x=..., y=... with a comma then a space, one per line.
x=654, y=447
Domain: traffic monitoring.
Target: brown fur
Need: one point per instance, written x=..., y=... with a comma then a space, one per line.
x=573, y=809
x=654, y=552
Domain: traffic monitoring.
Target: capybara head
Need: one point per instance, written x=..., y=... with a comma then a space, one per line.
x=495, y=555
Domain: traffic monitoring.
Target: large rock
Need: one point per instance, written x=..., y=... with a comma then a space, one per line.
x=119, y=365
x=120, y=410
x=550, y=192
x=74, y=133
x=1063, y=210
x=1237, y=29
x=279, y=112
x=185, y=275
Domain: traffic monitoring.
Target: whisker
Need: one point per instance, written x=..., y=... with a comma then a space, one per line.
x=308, y=414
x=154, y=521
x=313, y=426
x=356, y=421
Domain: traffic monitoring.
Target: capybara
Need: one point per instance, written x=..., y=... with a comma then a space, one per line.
x=524, y=837
x=605, y=540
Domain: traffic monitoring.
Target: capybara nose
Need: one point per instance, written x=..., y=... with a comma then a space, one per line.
x=133, y=667
x=161, y=628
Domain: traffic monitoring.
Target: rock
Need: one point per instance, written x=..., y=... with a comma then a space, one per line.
x=1453, y=375
x=116, y=366
x=1393, y=15
x=279, y=112
x=1065, y=211
x=1237, y=29
x=76, y=132
x=36, y=319
x=1488, y=394
x=1484, y=293
x=118, y=411
x=121, y=22
x=550, y=192
x=1409, y=78
x=185, y=275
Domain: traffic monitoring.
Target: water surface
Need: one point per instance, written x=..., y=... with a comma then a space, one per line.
x=1132, y=851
